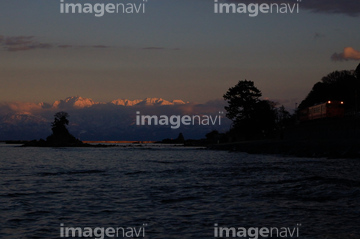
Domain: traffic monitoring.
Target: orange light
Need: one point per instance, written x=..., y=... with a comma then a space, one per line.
x=342, y=102
x=329, y=102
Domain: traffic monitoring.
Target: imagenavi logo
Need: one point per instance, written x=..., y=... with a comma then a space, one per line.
x=175, y=121
x=256, y=232
x=253, y=9
x=102, y=232
x=99, y=9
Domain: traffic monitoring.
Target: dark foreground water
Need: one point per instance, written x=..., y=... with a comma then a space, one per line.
x=175, y=192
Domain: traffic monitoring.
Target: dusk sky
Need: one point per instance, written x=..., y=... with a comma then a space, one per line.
x=177, y=49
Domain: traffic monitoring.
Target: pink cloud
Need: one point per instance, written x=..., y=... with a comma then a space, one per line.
x=349, y=53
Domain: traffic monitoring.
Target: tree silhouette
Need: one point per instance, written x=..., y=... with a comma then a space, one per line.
x=180, y=139
x=61, y=136
x=241, y=99
x=283, y=119
x=357, y=72
x=282, y=115
x=60, y=122
x=338, y=85
x=251, y=117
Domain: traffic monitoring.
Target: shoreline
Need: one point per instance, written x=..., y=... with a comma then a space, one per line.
x=309, y=148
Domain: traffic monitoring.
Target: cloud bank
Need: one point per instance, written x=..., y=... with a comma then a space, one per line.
x=91, y=120
x=349, y=53
x=25, y=43
x=22, y=43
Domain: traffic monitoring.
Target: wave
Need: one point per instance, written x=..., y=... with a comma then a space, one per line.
x=71, y=172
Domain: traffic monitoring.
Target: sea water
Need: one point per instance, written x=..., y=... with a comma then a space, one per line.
x=174, y=192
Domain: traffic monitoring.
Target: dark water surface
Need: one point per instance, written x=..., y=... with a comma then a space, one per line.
x=176, y=192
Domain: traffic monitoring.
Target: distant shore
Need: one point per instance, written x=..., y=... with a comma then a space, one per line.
x=95, y=144
x=119, y=142
x=86, y=142
x=310, y=148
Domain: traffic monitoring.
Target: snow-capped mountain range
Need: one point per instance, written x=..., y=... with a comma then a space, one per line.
x=80, y=102
x=114, y=120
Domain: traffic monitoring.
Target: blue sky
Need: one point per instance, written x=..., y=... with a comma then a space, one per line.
x=178, y=49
